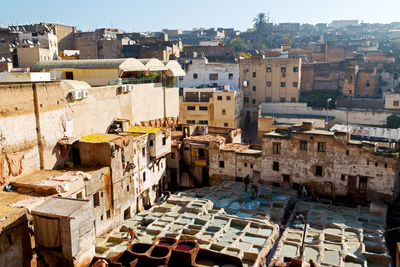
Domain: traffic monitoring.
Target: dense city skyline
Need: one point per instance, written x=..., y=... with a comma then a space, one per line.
x=136, y=16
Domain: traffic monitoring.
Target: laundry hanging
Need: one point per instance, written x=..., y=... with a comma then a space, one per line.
x=15, y=163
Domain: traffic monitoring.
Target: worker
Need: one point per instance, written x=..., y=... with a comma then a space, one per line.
x=131, y=233
x=246, y=182
x=254, y=191
x=304, y=192
x=299, y=217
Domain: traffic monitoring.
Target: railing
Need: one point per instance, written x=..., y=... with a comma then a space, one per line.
x=142, y=80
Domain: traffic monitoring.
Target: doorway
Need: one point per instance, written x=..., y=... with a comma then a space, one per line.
x=286, y=181
x=352, y=185
x=205, y=179
x=173, y=178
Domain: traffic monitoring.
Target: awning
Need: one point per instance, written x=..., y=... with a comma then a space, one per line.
x=174, y=68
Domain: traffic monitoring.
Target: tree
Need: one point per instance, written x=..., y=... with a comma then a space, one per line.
x=260, y=24
x=393, y=122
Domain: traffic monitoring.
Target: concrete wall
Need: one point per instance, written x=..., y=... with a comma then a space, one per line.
x=29, y=56
x=392, y=101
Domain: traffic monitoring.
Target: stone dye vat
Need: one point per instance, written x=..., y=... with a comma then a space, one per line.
x=335, y=236
x=197, y=225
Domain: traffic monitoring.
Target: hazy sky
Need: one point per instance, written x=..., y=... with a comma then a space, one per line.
x=154, y=15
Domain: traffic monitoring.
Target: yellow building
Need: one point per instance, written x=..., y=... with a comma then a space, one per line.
x=211, y=106
x=269, y=80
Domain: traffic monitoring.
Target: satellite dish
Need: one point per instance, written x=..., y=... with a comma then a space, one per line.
x=9, y=60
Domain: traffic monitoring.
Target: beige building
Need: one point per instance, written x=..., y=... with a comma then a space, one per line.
x=29, y=56
x=269, y=80
x=392, y=101
x=211, y=106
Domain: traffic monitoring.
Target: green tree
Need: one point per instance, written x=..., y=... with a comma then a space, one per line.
x=393, y=122
x=260, y=24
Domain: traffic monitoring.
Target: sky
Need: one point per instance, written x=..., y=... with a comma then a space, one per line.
x=155, y=15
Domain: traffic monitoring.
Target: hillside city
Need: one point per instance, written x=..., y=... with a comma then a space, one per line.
x=272, y=146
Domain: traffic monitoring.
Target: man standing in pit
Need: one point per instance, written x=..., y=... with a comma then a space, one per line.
x=246, y=182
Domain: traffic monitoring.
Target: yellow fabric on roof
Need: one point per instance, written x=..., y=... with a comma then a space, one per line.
x=99, y=138
x=143, y=129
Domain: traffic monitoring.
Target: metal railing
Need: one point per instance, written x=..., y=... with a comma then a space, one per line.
x=142, y=80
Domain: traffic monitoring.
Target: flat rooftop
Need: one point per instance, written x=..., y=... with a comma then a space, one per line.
x=206, y=138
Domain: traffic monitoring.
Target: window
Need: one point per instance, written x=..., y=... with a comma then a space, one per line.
x=321, y=146
x=69, y=75
x=276, y=148
x=230, y=76
x=223, y=112
x=164, y=141
x=203, y=122
x=228, y=98
x=201, y=153
x=269, y=84
x=108, y=214
x=245, y=70
x=343, y=177
x=143, y=151
x=362, y=187
x=254, y=88
x=351, y=79
x=347, y=152
x=318, y=170
x=127, y=188
x=303, y=145
x=191, y=108
x=245, y=164
x=350, y=91
x=283, y=72
x=395, y=103
x=376, y=164
x=253, y=101
x=226, y=124
x=151, y=142
x=283, y=99
x=251, y=165
x=283, y=84
x=283, y=69
x=222, y=164
x=213, y=76
x=144, y=176
x=275, y=166
x=195, y=75
x=254, y=74
x=246, y=100
x=368, y=84
x=203, y=108
x=295, y=69
x=292, y=99
x=9, y=239
x=79, y=195
x=385, y=165
x=295, y=84
x=96, y=200
x=172, y=155
x=269, y=69
x=191, y=122
x=101, y=217
x=219, y=97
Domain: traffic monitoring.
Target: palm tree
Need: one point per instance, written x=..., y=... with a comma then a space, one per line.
x=260, y=24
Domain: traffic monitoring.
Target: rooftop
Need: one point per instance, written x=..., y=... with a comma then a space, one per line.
x=143, y=129
x=206, y=138
x=52, y=207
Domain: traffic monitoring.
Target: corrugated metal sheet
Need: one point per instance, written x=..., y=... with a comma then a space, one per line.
x=369, y=133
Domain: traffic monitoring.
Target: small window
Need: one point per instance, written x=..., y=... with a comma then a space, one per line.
x=318, y=170
x=108, y=214
x=275, y=166
x=351, y=79
x=219, y=97
x=223, y=112
x=101, y=217
x=295, y=84
x=269, y=84
x=269, y=69
x=283, y=84
x=295, y=69
x=79, y=195
x=213, y=76
x=292, y=99
x=96, y=200
x=9, y=239
x=230, y=76
x=203, y=122
x=303, y=145
x=195, y=75
x=127, y=188
x=203, y=108
x=191, y=108
x=191, y=122
x=228, y=97
x=151, y=142
x=226, y=124
x=254, y=74
x=385, y=165
x=376, y=164
x=246, y=100
x=283, y=99
x=143, y=151
x=321, y=147
x=276, y=148
x=164, y=141
x=253, y=101
x=222, y=164
x=245, y=164
x=254, y=88
x=245, y=70
x=367, y=162
x=343, y=177
x=395, y=103
x=347, y=152
x=368, y=84
x=251, y=165
x=172, y=155
x=144, y=176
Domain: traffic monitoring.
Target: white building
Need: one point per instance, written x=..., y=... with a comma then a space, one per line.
x=46, y=40
x=200, y=72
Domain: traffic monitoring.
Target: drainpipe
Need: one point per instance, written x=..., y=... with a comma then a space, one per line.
x=38, y=130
